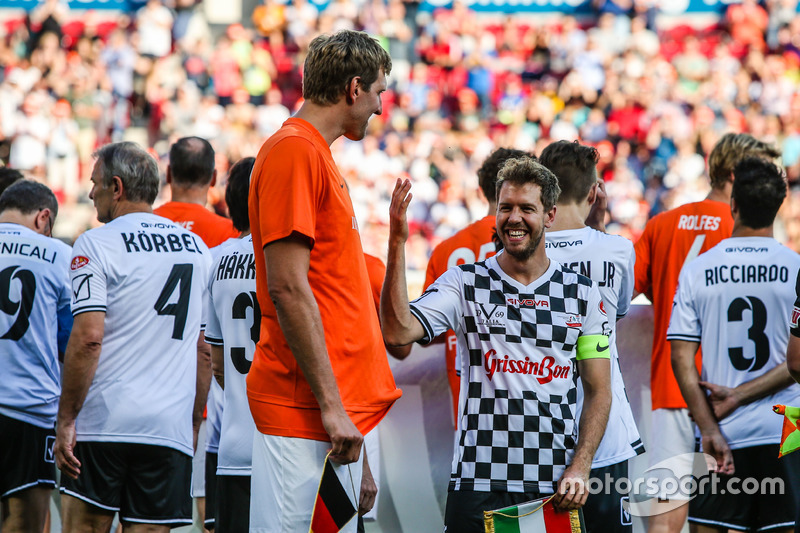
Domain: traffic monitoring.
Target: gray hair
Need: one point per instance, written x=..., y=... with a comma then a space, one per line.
x=134, y=166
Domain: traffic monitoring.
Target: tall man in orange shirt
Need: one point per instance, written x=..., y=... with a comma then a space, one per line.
x=320, y=379
x=669, y=241
x=471, y=244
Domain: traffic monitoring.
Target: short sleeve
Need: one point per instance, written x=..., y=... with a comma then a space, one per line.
x=642, y=260
x=684, y=323
x=439, y=307
x=593, y=341
x=87, y=276
x=289, y=187
x=627, y=285
x=213, y=332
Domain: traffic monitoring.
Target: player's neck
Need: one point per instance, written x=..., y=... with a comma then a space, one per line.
x=740, y=231
x=126, y=208
x=525, y=271
x=14, y=216
x=189, y=195
x=569, y=216
x=721, y=194
x=325, y=119
x=492, y=210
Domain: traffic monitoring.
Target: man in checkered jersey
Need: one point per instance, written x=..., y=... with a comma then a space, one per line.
x=608, y=260
x=526, y=326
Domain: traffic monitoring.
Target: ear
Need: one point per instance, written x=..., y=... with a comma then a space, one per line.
x=550, y=217
x=117, y=188
x=353, y=90
x=213, y=178
x=592, y=198
x=41, y=222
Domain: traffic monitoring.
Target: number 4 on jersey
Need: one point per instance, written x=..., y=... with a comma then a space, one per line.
x=180, y=274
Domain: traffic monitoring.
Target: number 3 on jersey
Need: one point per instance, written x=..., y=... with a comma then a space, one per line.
x=755, y=333
x=180, y=275
x=239, y=311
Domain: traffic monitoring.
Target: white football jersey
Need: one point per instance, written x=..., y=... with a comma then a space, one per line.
x=34, y=290
x=234, y=320
x=147, y=274
x=607, y=260
x=736, y=300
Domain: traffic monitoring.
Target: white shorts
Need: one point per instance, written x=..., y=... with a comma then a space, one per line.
x=285, y=480
x=672, y=446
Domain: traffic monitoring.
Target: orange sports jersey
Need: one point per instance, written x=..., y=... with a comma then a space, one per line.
x=296, y=187
x=212, y=228
x=670, y=240
x=376, y=271
x=470, y=245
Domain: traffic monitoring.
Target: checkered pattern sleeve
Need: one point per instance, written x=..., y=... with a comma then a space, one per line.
x=684, y=324
x=439, y=307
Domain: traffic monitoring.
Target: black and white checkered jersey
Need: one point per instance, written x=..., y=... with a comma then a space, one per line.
x=608, y=260
x=517, y=429
x=736, y=301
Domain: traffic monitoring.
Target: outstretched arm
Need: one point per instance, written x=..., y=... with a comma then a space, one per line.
x=714, y=442
x=399, y=326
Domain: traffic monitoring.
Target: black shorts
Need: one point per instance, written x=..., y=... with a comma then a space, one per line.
x=743, y=501
x=464, y=510
x=233, y=504
x=603, y=512
x=26, y=456
x=211, y=489
x=145, y=483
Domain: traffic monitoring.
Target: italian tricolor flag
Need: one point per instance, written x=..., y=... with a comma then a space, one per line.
x=537, y=516
x=790, y=437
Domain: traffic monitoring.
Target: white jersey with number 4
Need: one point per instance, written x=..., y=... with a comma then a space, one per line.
x=147, y=274
x=34, y=290
x=607, y=260
x=736, y=300
x=234, y=319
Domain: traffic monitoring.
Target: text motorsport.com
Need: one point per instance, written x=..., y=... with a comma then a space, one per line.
x=673, y=482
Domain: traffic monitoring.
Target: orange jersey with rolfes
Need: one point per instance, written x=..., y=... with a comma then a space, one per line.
x=212, y=228
x=296, y=188
x=670, y=240
x=470, y=245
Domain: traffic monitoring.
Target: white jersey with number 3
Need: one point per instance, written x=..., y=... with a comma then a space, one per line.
x=234, y=320
x=736, y=300
x=147, y=274
x=607, y=260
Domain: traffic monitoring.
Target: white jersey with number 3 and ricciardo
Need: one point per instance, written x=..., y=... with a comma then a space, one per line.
x=148, y=275
x=736, y=300
x=34, y=295
x=234, y=320
x=607, y=260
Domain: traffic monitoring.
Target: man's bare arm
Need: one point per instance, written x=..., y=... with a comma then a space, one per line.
x=299, y=318
x=683, y=366
x=202, y=384
x=399, y=326
x=218, y=364
x=725, y=400
x=80, y=365
x=596, y=377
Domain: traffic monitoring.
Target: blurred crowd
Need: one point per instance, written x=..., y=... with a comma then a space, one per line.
x=652, y=99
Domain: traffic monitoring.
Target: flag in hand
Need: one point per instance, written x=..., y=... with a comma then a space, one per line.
x=790, y=438
x=537, y=516
x=334, y=508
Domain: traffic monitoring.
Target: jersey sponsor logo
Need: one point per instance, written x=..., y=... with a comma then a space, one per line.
x=187, y=224
x=601, y=349
x=746, y=274
x=489, y=318
x=544, y=371
x=79, y=261
x=698, y=222
x=561, y=244
x=573, y=321
x=159, y=242
x=602, y=307
x=795, y=317
x=50, y=449
x=527, y=302
x=355, y=224
x=81, y=288
x=165, y=225
x=745, y=249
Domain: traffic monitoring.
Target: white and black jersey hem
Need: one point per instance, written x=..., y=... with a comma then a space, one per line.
x=88, y=308
x=683, y=337
x=214, y=341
